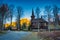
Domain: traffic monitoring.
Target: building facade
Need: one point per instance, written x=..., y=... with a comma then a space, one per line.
x=34, y=22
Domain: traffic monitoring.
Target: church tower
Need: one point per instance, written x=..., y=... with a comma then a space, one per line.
x=32, y=16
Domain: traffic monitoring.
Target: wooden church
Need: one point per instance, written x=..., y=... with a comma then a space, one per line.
x=34, y=22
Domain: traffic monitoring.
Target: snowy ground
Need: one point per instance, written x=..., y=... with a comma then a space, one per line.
x=14, y=35
x=23, y=35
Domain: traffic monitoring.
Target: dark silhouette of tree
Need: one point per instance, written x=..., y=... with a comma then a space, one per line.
x=55, y=12
x=48, y=10
x=3, y=10
x=24, y=26
x=29, y=27
x=20, y=13
x=11, y=9
x=37, y=14
x=5, y=17
x=9, y=15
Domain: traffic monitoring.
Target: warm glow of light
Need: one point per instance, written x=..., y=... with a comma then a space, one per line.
x=23, y=20
x=13, y=24
x=7, y=25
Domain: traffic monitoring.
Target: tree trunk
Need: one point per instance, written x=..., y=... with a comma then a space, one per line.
x=2, y=24
x=11, y=22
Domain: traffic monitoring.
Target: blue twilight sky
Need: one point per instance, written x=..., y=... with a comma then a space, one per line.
x=27, y=5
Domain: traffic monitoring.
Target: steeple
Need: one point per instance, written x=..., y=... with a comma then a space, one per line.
x=32, y=12
x=32, y=16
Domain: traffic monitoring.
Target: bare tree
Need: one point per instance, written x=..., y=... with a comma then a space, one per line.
x=3, y=10
x=20, y=14
x=55, y=12
x=48, y=10
x=37, y=14
x=11, y=9
x=5, y=17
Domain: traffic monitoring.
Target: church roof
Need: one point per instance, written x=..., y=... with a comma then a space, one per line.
x=40, y=20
